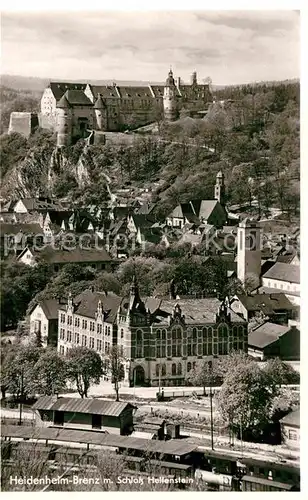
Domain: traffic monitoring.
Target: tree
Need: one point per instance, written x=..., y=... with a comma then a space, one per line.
x=283, y=403
x=225, y=364
x=29, y=461
x=107, y=282
x=115, y=362
x=84, y=367
x=281, y=373
x=13, y=148
x=245, y=397
x=17, y=371
x=203, y=375
x=19, y=284
x=50, y=373
x=251, y=395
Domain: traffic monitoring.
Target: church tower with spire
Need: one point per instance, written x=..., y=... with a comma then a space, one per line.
x=220, y=194
x=170, y=98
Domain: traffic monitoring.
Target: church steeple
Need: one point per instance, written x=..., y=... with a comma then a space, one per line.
x=219, y=193
x=170, y=80
x=134, y=295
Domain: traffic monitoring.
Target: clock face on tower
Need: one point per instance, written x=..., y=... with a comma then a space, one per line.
x=251, y=241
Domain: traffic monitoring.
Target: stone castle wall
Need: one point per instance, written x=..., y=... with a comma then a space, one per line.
x=23, y=123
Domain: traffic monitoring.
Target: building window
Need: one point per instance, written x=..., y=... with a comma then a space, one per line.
x=179, y=369
x=158, y=334
x=163, y=351
x=188, y=367
x=157, y=370
x=98, y=345
x=122, y=333
x=158, y=351
x=292, y=435
x=173, y=369
x=139, y=344
x=163, y=369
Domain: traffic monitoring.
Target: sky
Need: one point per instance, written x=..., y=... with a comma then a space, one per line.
x=228, y=46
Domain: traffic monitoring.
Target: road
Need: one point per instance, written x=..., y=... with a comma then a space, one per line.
x=105, y=389
x=180, y=411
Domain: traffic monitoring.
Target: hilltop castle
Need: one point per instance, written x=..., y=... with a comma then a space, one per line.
x=75, y=109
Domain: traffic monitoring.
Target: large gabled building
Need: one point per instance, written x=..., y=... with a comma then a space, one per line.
x=75, y=109
x=161, y=339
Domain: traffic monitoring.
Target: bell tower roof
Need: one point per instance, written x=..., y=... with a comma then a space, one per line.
x=170, y=80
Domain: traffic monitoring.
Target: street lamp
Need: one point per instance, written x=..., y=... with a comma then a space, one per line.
x=21, y=395
x=210, y=363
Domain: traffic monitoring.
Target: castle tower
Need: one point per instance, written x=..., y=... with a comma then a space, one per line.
x=169, y=99
x=64, y=122
x=193, y=78
x=99, y=108
x=219, y=193
x=249, y=251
